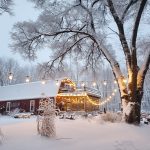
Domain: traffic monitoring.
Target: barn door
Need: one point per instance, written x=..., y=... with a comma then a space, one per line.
x=32, y=105
x=8, y=107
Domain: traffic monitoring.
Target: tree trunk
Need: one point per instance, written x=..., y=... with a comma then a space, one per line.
x=131, y=113
x=131, y=102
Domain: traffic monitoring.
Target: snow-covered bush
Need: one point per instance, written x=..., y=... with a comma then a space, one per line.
x=46, y=121
x=111, y=117
x=48, y=124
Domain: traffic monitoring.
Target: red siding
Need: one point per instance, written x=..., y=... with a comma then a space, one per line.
x=2, y=107
x=21, y=104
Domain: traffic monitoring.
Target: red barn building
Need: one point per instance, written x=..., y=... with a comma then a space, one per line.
x=63, y=92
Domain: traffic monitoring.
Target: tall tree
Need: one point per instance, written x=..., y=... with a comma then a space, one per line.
x=81, y=27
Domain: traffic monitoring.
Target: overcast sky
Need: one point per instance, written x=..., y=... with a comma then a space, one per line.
x=23, y=11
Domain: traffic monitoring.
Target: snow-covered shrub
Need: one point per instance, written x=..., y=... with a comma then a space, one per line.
x=111, y=117
x=46, y=120
x=48, y=123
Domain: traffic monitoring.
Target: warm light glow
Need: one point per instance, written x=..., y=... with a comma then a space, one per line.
x=27, y=79
x=105, y=83
x=115, y=82
x=113, y=94
x=85, y=94
x=83, y=84
x=94, y=84
x=10, y=76
x=115, y=90
x=57, y=82
x=43, y=81
x=125, y=80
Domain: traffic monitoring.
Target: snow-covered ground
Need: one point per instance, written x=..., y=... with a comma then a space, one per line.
x=79, y=134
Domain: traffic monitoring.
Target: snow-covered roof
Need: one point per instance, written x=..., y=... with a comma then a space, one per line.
x=90, y=91
x=30, y=90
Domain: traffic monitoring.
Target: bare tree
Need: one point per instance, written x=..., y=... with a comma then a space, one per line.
x=81, y=27
x=9, y=65
x=44, y=72
x=5, y=6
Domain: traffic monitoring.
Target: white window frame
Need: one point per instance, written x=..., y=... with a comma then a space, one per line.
x=8, y=106
x=32, y=105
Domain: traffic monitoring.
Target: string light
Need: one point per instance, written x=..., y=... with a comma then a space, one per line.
x=27, y=79
x=125, y=80
x=113, y=94
x=57, y=82
x=10, y=76
x=102, y=103
x=115, y=82
x=94, y=84
x=115, y=90
x=91, y=101
x=43, y=81
x=94, y=103
x=82, y=84
x=105, y=83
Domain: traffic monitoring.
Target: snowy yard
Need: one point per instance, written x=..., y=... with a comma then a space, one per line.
x=79, y=134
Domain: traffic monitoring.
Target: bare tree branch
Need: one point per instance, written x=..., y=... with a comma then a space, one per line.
x=62, y=55
x=131, y=3
x=113, y=31
x=142, y=72
x=90, y=14
x=121, y=32
x=137, y=22
x=5, y=6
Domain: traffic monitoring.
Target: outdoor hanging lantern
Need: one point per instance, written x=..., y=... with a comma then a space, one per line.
x=94, y=84
x=57, y=82
x=115, y=82
x=82, y=84
x=10, y=76
x=43, y=81
x=105, y=82
x=27, y=79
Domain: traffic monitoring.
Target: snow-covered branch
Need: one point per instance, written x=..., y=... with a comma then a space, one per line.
x=130, y=4
x=61, y=55
x=144, y=68
x=89, y=11
x=5, y=6
x=137, y=22
x=121, y=32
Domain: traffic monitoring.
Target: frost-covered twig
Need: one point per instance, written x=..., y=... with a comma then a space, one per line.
x=46, y=122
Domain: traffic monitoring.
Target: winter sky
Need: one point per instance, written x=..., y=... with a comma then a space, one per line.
x=23, y=11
